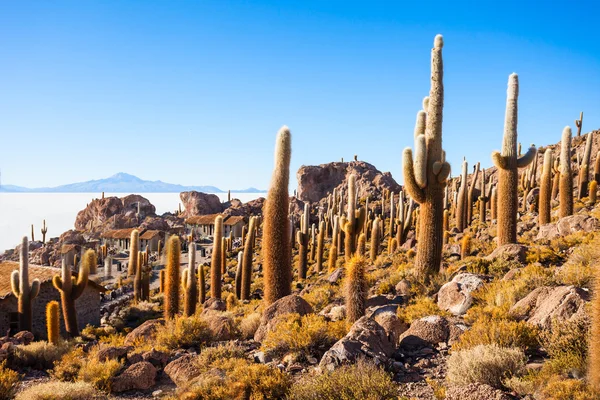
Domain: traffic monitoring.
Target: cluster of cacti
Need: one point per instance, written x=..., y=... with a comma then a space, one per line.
x=172, y=278
x=216, y=259
x=44, y=230
x=134, y=248
x=508, y=164
x=354, y=221
x=404, y=218
x=425, y=177
x=545, y=197
x=52, y=322
x=584, y=168
x=565, y=186
x=188, y=281
x=71, y=289
x=528, y=181
x=276, y=228
x=303, y=239
x=23, y=291
x=356, y=288
x=248, y=252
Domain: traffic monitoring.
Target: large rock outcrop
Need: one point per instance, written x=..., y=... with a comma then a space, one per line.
x=316, y=181
x=198, y=203
x=114, y=213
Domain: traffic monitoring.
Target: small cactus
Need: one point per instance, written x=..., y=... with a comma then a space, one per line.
x=23, y=291
x=471, y=194
x=161, y=281
x=465, y=247
x=137, y=280
x=361, y=246
x=216, y=262
x=188, y=281
x=44, y=230
x=332, y=258
x=579, y=123
x=224, y=246
x=172, y=283
x=201, y=285
x=546, y=189
x=593, y=192
x=461, y=201
x=52, y=324
x=565, y=186
x=356, y=288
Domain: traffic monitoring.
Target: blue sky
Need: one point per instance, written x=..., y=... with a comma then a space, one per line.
x=193, y=92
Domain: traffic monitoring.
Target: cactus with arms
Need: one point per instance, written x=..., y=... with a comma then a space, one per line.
x=23, y=291
x=425, y=178
x=508, y=168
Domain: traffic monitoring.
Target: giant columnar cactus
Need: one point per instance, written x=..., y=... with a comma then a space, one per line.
x=216, y=262
x=565, y=186
x=133, y=252
x=465, y=247
x=276, y=231
x=355, y=219
x=425, y=178
x=173, y=278
x=594, y=341
x=161, y=281
x=320, y=246
x=375, y=239
x=361, y=245
x=247, y=261
x=52, y=324
x=484, y=198
x=546, y=189
x=71, y=289
x=332, y=261
x=461, y=200
x=188, y=281
x=313, y=242
x=44, y=230
x=356, y=288
x=471, y=194
x=32, y=236
x=146, y=284
x=593, y=192
x=584, y=168
x=238, y=275
x=303, y=239
x=508, y=165
x=137, y=280
x=494, y=204
x=24, y=292
x=201, y=284
x=223, y=255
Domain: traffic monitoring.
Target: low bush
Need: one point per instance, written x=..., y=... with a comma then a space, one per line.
x=249, y=325
x=40, y=355
x=418, y=308
x=61, y=391
x=184, y=332
x=9, y=380
x=501, y=332
x=362, y=380
x=566, y=344
x=488, y=364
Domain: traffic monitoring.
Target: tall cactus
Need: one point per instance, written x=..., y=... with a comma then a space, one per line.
x=546, y=189
x=303, y=239
x=276, y=231
x=23, y=291
x=375, y=239
x=223, y=255
x=247, y=260
x=52, y=324
x=238, y=275
x=137, y=280
x=584, y=168
x=201, y=284
x=471, y=194
x=216, y=262
x=355, y=219
x=188, y=281
x=508, y=165
x=356, y=289
x=461, y=200
x=565, y=186
x=172, y=277
x=71, y=289
x=425, y=179
x=133, y=252
x=484, y=198
x=320, y=245
x=332, y=261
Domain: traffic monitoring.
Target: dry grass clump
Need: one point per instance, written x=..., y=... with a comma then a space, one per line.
x=249, y=325
x=9, y=380
x=237, y=378
x=321, y=296
x=98, y=332
x=488, y=364
x=389, y=282
x=67, y=369
x=362, y=380
x=579, y=268
x=40, y=355
x=567, y=389
x=500, y=332
x=184, y=332
x=307, y=335
x=61, y=391
x=418, y=308
x=79, y=366
x=567, y=346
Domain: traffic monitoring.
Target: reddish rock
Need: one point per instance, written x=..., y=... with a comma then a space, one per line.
x=145, y=331
x=316, y=181
x=425, y=332
x=198, y=203
x=139, y=376
x=130, y=203
x=183, y=370
x=567, y=226
x=114, y=213
x=97, y=212
x=511, y=251
x=273, y=313
x=456, y=295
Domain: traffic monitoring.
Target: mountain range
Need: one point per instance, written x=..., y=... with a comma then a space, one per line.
x=121, y=183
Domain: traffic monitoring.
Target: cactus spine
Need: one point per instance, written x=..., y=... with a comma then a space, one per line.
x=52, y=324
x=70, y=290
x=188, y=280
x=302, y=238
x=44, y=230
x=133, y=252
x=216, y=259
x=356, y=289
x=247, y=260
x=508, y=168
x=430, y=164
x=546, y=189
x=565, y=186
x=24, y=292
x=276, y=230
x=584, y=168
x=172, y=277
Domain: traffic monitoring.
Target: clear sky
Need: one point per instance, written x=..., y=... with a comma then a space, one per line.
x=193, y=92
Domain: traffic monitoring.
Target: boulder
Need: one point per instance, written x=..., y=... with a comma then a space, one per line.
x=511, y=252
x=145, y=331
x=545, y=304
x=316, y=182
x=130, y=203
x=183, y=370
x=456, y=295
x=139, y=376
x=475, y=391
x=366, y=339
x=23, y=337
x=426, y=332
x=97, y=212
x=272, y=314
x=112, y=352
x=221, y=326
x=393, y=326
x=567, y=226
x=198, y=203
x=403, y=288
x=335, y=276
x=157, y=358
x=213, y=304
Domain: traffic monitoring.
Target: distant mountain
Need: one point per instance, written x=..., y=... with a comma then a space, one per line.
x=122, y=183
